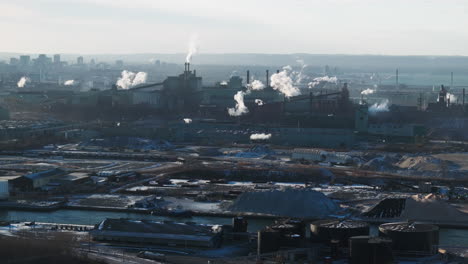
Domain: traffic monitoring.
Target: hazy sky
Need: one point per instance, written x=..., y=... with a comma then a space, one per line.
x=393, y=27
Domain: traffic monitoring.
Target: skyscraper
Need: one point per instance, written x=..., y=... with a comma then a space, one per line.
x=57, y=59
x=79, y=60
x=25, y=60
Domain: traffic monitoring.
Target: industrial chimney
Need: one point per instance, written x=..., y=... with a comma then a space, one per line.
x=248, y=77
x=267, y=78
x=396, y=79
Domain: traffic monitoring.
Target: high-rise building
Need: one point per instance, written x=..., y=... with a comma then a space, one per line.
x=57, y=59
x=14, y=61
x=25, y=60
x=79, y=60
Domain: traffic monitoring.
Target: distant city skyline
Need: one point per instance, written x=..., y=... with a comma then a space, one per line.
x=417, y=27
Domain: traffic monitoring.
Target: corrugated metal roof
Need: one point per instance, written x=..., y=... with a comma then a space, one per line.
x=45, y=174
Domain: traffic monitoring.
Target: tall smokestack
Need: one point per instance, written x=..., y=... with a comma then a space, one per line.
x=188, y=66
x=396, y=83
x=185, y=67
x=277, y=71
x=248, y=77
x=451, y=80
x=463, y=98
x=267, y=78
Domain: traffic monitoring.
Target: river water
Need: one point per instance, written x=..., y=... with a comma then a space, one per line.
x=448, y=237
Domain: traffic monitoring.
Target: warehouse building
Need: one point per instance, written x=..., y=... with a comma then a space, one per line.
x=37, y=180
x=161, y=233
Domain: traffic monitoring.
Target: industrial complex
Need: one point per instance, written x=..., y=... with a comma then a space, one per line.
x=157, y=163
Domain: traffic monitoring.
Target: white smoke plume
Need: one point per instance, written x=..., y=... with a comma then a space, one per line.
x=22, y=82
x=261, y=136
x=259, y=102
x=69, y=82
x=383, y=106
x=130, y=79
x=367, y=91
x=192, y=48
x=451, y=97
x=283, y=83
x=187, y=120
x=318, y=80
x=256, y=85
x=240, y=107
x=300, y=76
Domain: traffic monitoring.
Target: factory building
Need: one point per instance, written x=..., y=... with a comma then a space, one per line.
x=322, y=103
x=210, y=132
x=160, y=233
x=183, y=93
x=37, y=180
x=398, y=131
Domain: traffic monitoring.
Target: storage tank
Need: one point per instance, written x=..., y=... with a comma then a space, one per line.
x=342, y=230
x=412, y=238
x=370, y=250
x=4, y=191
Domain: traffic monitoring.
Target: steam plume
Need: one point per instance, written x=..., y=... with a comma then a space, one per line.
x=379, y=107
x=261, y=136
x=283, y=83
x=451, y=97
x=69, y=82
x=367, y=91
x=240, y=107
x=187, y=120
x=318, y=80
x=259, y=102
x=256, y=85
x=300, y=76
x=192, y=48
x=130, y=79
x=22, y=82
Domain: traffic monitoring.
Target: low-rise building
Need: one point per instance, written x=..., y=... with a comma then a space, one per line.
x=161, y=233
x=38, y=179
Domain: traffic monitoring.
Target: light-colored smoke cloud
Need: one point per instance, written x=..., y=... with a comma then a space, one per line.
x=22, y=82
x=382, y=106
x=187, y=120
x=300, y=76
x=69, y=82
x=318, y=80
x=367, y=91
x=192, y=48
x=451, y=97
x=283, y=83
x=256, y=85
x=130, y=79
x=240, y=107
x=261, y=136
x=259, y=102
